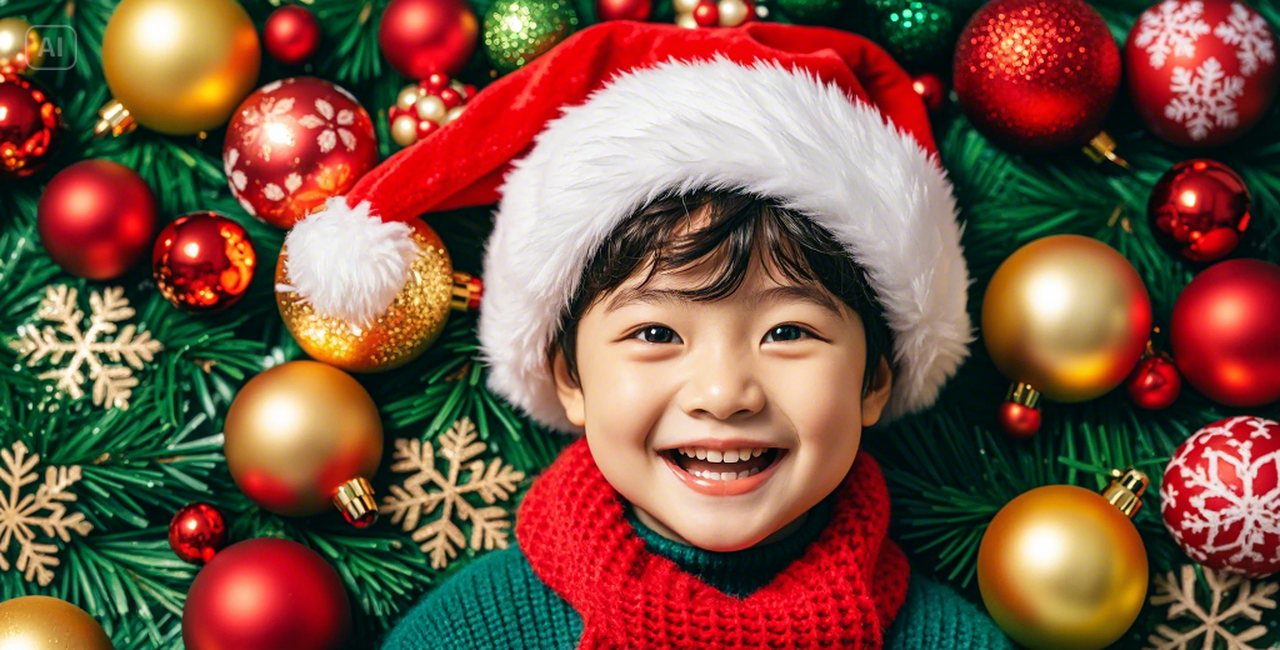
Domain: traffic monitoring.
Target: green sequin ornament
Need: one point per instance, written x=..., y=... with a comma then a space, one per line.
x=920, y=35
x=812, y=12
x=519, y=31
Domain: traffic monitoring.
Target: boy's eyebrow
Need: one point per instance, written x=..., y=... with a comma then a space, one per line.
x=801, y=292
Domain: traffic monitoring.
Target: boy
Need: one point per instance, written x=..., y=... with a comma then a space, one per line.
x=720, y=263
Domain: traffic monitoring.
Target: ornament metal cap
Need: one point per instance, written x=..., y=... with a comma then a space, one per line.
x=355, y=500
x=1103, y=147
x=1125, y=489
x=1022, y=393
x=116, y=120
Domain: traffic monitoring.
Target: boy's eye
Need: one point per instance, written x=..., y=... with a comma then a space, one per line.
x=656, y=334
x=786, y=333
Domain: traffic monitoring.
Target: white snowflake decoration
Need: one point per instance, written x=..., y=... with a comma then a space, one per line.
x=334, y=126
x=46, y=511
x=1247, y=31
x=112, y=384
x=1254, y=514
x=1171, y=28
x=1211, y=623
x=1204, y=100
x=269, y=115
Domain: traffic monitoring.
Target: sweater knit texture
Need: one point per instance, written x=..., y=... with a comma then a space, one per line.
x=585, y=573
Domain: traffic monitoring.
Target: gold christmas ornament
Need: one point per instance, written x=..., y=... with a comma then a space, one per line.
x=1066, y=315
x=302, y=435
x=407, y=328
x=44, y=623
x=20, y=51
x=1063, y=568
x=177, y=66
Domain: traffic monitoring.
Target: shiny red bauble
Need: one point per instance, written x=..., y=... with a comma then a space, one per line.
x=931, y=89
x=1020, y=422
x=1218, y=497
x=1201, y=72
x=1226, y=333
x=1199, y=209
x=1154, y=383
x=197, y=532
x=291, y=35
x=97, y=218
x=293, y=144
x=1037, y=75
x=203, y=261
x=266, y=594
x=419, y=37
x=30, y=126
x=638, y=10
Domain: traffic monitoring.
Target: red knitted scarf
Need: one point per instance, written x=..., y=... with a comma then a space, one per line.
x=843, y=592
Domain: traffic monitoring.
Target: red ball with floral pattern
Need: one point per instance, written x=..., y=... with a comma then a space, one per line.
x=293, y=144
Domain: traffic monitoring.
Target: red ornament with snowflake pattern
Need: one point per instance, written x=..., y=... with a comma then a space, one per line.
x=293, y=144
x=1221, y=496
x=1201, y=73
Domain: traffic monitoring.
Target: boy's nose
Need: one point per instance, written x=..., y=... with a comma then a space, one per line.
x=721, y=386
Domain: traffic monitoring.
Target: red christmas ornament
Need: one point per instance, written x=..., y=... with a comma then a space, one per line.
x=291, y=34
x=1199, y=209
x=931, y=89
x=203, y=261
x=423, y=107
x=420, y=37
x=1225, y=333
x=96, y=219
x=1201, y=72
x=266, y=594
x=30, y=126
x=197, y=532
x=1219, y=500
x=293, y=144
x=1018, y=421
x=1037, y=75
x=707, y=14
x=624, y=9
x=1154, y=383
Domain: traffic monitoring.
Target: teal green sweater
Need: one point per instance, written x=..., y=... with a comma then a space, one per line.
x=498, y=602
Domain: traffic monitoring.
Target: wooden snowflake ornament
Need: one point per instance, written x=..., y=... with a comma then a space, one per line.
x=1212, y=622
x=441, y=538
x=25, y=517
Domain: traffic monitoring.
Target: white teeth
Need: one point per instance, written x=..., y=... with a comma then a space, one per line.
x=731, y=456
x=715, y=456
x=726, y=476
x=702, y=454
x=756, y=452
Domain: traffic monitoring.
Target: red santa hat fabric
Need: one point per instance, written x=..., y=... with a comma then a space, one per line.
x=823, y=121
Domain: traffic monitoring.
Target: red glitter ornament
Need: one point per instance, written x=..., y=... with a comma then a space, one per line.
x=419, y=37
x=294, y=143
x=1154, y=383
x=203, y=261
x=1225, y=333
x=1218, y=496
x=1201, y=73
x=1199, y=209
x=291, y=34
x=97, y=219
x=30, y=126
x=1037, y=75
x=624, y=9
x=266, y=594
x=197, y=532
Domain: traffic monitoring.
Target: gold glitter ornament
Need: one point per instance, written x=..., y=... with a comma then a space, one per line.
x=406, y=329
x=519, y=31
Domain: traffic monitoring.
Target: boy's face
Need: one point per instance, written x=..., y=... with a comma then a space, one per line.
x=768, y=368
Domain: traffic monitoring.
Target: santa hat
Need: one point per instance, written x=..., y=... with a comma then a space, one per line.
x=822, y=121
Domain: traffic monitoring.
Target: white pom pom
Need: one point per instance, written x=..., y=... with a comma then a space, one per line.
x=346, y=263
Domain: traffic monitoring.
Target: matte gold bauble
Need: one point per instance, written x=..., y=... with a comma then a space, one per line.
x=180, y=66
x=1067, y=315
x=1061, y=568
x=407, y=328
x=44, y=623
x=302, y=434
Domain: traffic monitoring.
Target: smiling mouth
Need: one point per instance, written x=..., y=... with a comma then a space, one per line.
x=726, y=473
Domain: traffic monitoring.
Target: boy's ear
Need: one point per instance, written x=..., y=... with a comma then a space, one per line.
x=568, y=390
x=877, y=395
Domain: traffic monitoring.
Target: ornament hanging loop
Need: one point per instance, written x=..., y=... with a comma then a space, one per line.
x=115, y=119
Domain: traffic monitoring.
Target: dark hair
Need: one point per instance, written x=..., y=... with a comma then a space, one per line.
x=738, y=227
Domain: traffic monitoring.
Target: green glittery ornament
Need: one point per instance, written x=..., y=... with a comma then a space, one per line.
x=813, y=12
x=519, y=31
x=920, y=35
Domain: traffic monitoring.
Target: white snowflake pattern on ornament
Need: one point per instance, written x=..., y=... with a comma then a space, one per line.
x=1249, y=33
x=237, y=179
x=1205, y=99
x=268, y=116
x=333, y=127
x=1171, y=27
x=1256, y=515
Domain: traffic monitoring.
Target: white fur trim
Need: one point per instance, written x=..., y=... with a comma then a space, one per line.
x=325, y=271
x=683, y=126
